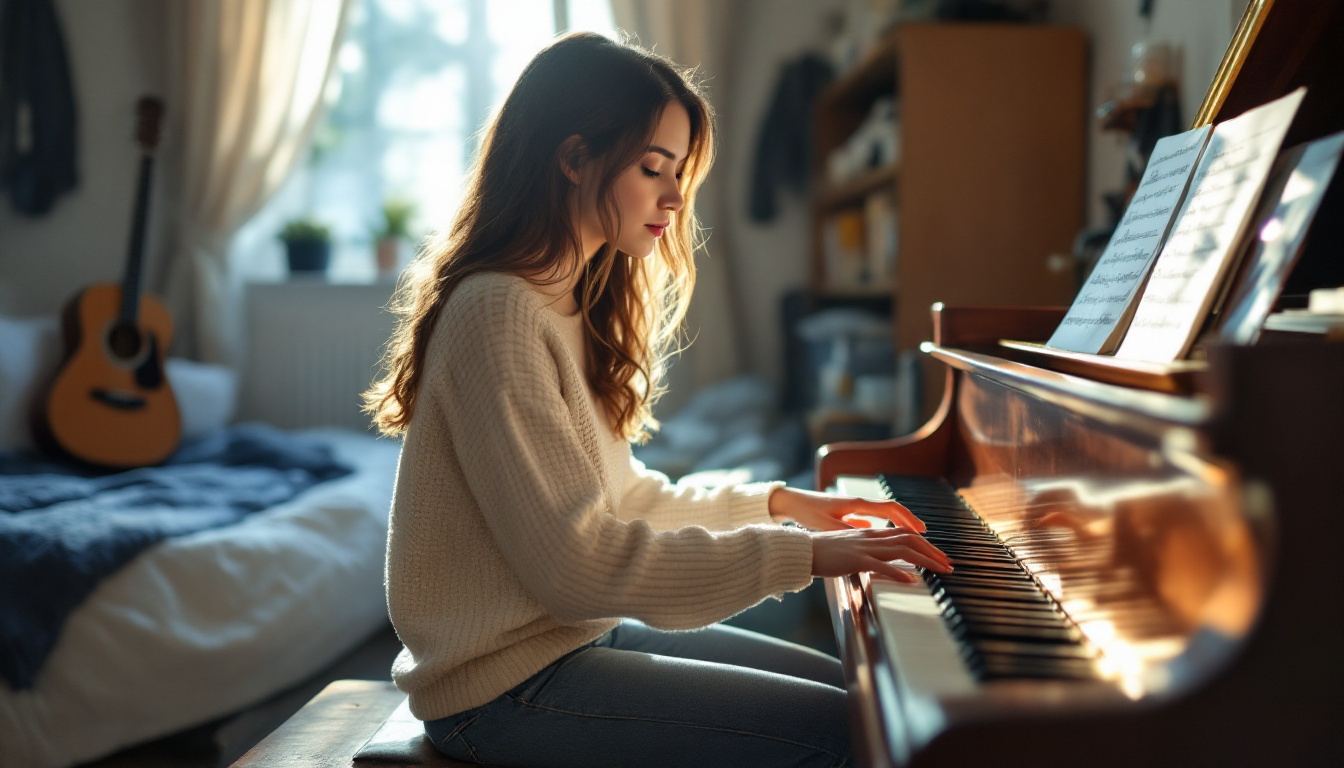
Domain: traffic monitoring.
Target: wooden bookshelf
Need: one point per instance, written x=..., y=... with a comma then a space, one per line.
x=989, y=187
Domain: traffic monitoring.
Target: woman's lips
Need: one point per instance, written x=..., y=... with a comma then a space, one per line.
x=655, y=229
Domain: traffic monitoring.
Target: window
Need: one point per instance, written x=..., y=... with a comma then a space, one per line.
x=415, y=82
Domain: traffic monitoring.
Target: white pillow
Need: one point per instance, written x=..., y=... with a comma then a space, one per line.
x=206, y=394
x=30, y=350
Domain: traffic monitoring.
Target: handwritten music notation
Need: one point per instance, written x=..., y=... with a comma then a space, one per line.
x=1098, y=315
x=1207, y=232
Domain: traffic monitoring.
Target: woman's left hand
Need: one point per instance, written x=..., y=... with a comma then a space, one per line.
x=824, y=512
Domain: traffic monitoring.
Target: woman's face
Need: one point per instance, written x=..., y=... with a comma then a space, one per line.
x=647, y=194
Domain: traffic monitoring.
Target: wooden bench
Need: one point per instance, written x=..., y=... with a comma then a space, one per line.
x=346, y=716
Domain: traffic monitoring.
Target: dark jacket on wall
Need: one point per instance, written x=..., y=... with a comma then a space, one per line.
x=784, y=149
x=37, y=107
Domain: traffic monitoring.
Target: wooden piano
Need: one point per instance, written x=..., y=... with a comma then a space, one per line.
x=1143, y=578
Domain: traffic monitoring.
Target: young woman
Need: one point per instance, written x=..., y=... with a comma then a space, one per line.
x=536, y=572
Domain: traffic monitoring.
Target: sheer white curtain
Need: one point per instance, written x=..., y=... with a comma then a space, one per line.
x=245, y=93
x=695, y=33
x=417, y=80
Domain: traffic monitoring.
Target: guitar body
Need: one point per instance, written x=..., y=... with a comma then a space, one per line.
x=110, y=404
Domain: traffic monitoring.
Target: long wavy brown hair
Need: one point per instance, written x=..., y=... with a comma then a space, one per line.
x=516, y=218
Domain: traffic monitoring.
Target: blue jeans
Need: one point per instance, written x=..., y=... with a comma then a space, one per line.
x=639, y=696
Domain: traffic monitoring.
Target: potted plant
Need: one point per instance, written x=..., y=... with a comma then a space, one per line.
x=307, y=244
x=393, y=230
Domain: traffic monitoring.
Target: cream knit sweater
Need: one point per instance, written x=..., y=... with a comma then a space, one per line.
x=521, y=528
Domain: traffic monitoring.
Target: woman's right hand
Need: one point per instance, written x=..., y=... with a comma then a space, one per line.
x=841, y=553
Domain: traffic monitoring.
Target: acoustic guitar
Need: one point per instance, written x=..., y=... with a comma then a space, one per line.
x=109, y=404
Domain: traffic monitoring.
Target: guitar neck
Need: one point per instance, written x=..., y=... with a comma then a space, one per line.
x=130, y=282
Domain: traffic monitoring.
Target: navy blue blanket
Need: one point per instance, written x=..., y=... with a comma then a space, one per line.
x=62, y=529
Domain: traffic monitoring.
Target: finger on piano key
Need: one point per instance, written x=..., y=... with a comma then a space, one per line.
x=868, y=488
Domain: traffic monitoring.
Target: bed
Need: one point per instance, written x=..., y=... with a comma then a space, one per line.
x=203, y=625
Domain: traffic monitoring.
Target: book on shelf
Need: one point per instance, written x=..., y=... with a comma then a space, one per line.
x=859, y=245
x=845, y=259
x=1198, y=213
x=880, y=241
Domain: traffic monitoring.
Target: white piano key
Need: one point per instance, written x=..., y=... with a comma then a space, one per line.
x=860, y=487
x=922, y=649
x=923, y=652
x=863, y=488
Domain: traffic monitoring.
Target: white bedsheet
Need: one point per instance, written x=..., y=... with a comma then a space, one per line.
x=201, y=626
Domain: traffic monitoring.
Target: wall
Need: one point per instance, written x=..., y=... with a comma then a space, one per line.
x=116, y=53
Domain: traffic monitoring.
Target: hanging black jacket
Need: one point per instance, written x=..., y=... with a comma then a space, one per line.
x=37, y=107
x=784, y=149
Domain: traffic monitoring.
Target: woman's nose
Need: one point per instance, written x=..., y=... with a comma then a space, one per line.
x=673, y=201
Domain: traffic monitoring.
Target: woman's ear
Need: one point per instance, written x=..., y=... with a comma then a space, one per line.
x=571, y=156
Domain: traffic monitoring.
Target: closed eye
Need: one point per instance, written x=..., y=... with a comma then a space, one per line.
x=656, y=175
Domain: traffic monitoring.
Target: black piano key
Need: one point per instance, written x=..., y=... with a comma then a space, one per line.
x=980, y=566
x=1007, y=625
x=1005, y=610
x=1034, y=650
x=994, y=593
x=1021, y=593
x=1008, y=618
x=1010, y=629
x=985, y=550
x=988, y=579
x=1012, y=633
x=1001, y=668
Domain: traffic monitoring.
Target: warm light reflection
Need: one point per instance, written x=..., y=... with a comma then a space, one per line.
x=1272, y=230
x=1052, y=584
x=1131, y=687
x=1099, y=631
x=1136, y=666
x=1077, y=607
x=1120, y=661
x=1139, y=559
x=1090, y=494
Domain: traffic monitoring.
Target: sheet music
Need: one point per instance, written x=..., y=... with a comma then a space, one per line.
x=1099, y=314
x=1207, y=232
x=1308, y=170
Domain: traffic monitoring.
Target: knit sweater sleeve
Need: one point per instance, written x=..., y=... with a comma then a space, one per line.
x=525, y=465
x=650, y=494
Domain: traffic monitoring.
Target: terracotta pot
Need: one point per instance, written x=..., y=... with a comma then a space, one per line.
x=387, y=252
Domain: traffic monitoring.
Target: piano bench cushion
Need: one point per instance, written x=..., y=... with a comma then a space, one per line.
x=401, y=741
x=364, y=723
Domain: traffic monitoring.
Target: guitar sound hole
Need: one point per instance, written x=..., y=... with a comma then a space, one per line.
x=124, y=341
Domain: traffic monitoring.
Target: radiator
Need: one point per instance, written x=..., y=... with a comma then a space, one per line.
x=312, y=349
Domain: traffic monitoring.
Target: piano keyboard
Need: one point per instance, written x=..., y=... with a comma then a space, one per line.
x=995, y=618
